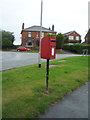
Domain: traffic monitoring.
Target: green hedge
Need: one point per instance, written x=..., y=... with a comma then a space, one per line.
x=77, y=48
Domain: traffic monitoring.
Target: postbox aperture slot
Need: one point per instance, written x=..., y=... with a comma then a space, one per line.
x=53, y=40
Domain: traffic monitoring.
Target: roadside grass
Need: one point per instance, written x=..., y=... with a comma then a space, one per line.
x=23, y=88
x=31, y=51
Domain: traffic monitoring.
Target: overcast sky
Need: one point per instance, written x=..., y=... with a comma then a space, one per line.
x=66, y=15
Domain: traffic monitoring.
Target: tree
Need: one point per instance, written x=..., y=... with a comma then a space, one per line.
x=51, y=34
x=59, y=41
x=6, y=43
x=7, y=39
x=66, y=40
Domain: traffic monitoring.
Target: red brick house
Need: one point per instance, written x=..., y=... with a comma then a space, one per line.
x=31, y=35
x=87, y=37
x=73, y=36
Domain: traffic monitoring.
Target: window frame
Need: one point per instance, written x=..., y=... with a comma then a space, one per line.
x=71, y=37
x=77, y=37
x=29, y=34
x=37, y=36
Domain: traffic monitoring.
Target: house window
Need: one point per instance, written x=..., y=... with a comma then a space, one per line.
x=36, y=34
x=42, y=34
x=29, y=42
x=29, y=34
x=77, y=38
x=71, y=37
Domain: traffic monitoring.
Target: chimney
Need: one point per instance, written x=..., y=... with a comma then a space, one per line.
x=22, y=26
x=52, y=27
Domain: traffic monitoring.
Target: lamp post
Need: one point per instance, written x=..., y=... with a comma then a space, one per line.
x=89, y=15
x=39, y=59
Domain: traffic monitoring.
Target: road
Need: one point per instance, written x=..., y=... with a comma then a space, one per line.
x=74, y=105
x=9, y=60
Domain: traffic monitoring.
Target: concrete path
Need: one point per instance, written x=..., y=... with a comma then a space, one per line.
x=74, y=105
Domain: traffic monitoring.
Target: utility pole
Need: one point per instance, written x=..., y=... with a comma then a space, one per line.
x=39, y=58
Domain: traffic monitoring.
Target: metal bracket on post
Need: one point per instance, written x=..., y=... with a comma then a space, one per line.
x=47, y=74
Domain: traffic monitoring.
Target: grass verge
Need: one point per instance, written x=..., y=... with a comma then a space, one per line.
x=23, y=87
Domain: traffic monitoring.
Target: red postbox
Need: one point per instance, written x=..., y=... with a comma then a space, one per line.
x=48, y=48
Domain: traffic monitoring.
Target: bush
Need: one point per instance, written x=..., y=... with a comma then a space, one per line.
x=35, y=48
x=77, y=48
x=59, y=41
x=16, y=46
x=74, y=41
x=51, y=34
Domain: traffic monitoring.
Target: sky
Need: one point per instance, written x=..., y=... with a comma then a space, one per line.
x=66, y=15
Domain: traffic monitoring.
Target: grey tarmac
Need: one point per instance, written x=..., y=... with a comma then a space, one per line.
x=9, y=60
x=74, y=105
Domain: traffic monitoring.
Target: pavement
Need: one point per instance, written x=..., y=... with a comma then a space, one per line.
x=74, y=105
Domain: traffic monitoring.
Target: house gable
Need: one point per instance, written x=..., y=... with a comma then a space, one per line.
x=73, y=36
x=72, y=33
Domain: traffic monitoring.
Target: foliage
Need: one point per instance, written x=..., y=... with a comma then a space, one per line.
x=59, y=41
x=6, y=43
x=66, y=40
x=74, y=41
x=77, y=48
x=51, y=34
x=23, y=87
x=7, y=39
x=16, y=46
